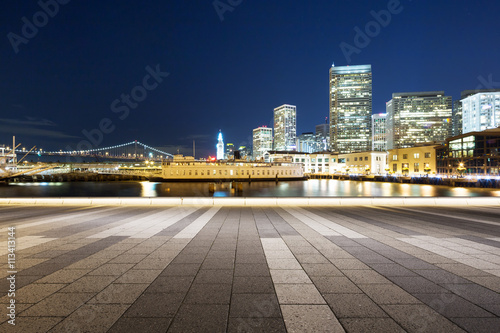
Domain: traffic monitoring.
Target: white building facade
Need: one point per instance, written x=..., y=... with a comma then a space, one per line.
x=480, y=111
x=262, y=141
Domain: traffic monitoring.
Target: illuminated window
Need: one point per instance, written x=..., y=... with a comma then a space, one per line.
x=416, y=167
x=394, y=157
x=416, y=155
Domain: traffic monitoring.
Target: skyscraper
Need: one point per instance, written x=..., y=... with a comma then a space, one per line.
x=285, y=128
x=350, y=108
x=323, y=137
x=456, y=122
x=416, y=117
x=220, y=147
x=262, y=141
x=379, y=140
x=480, y=110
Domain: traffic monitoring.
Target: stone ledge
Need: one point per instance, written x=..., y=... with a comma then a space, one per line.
x=256, y=201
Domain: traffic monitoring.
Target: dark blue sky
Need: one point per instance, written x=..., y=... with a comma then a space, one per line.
x=226, y=74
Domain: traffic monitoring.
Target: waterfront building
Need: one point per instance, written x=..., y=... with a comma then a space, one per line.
x=480, y=110
x=323, y=137
x=472, y=153
x=220, y=147
x=306, y=143
x=350, y=108
x=379, y=139
x=413, y=161
x=285, y=127
x=262, y=141
x=324, y=163
x=417, y=117
x=367, y=163
x=456, y=118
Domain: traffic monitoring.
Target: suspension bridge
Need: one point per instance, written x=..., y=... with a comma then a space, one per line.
x=134, y=150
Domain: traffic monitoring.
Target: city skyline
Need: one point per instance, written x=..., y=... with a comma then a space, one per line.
x=63, y=81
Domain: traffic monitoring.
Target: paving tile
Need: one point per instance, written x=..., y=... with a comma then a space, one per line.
x=256, y=324
x=283, y=264
x=386, y=325
x=138, y=276
x=298, y=294
x=88, y=284
x=151, y=305
x=64, y=276
x=253, y=285
x=251, y=270
x=420, y=318
x=417, y=284
x=208, y=294
x=200, y=318
x=181, y=270
x=57, y=305
x=387, y=294
x=214, y=276
x=392, y=270
x=321, y=270
x=474, y=293
x=478, y=324
x=289, y=276
x=349, y=264
x=254, y=306
x=452, y=305
x=310, y=318
x=34, y=293
x=91, y=318
x=365, y=276
x=31, y=324
x=353, y=306
x=119, y=293
x=143, y=325
x=111, y=269
x=335, y=285
x=218, y=263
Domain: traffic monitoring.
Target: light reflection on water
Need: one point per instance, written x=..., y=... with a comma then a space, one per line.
x=310, y=188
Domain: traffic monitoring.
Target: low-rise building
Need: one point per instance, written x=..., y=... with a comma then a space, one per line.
x=414, y=161
x=368, y=162
x=473, y=153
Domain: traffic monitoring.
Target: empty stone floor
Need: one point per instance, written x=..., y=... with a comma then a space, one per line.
x=252, y=269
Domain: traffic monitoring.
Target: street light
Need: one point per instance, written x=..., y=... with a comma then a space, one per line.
x=461, y=168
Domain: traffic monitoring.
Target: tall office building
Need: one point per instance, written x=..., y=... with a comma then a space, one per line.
x=416, y=117
x=323, y=137
x=350, y=108
x=285, y=128
x=220, y=147
x=379, y=139
x=262, y=141
x=480, y=110
x=456, y=121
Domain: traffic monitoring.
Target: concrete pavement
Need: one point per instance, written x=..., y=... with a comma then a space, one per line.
x=252, y=268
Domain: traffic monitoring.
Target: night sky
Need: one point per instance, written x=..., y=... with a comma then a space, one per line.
x=227, y=68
